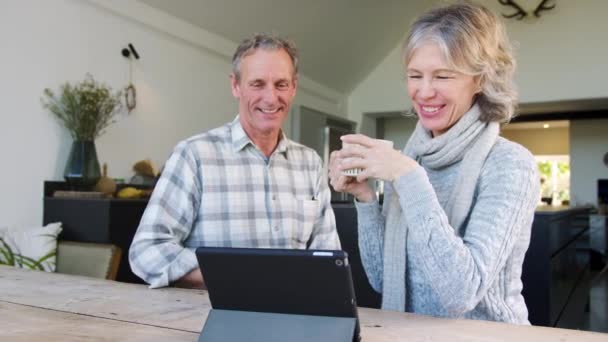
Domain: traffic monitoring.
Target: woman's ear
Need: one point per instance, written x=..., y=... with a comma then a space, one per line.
x=478, y=81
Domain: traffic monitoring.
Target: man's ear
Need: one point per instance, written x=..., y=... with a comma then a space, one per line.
x=234, y=84
x=295, y=85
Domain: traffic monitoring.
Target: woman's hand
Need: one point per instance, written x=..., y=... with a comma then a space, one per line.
x=377, y=159
x=341, y=183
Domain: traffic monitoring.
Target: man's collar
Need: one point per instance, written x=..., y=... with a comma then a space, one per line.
x=240, y=139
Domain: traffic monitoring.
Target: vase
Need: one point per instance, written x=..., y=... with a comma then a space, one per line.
x=82, y=168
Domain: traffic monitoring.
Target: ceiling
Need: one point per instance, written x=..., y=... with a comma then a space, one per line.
x=340, y=41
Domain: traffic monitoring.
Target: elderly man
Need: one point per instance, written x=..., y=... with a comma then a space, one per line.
x=240, y=185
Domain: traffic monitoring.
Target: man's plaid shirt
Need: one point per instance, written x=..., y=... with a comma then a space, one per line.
x=218, y=189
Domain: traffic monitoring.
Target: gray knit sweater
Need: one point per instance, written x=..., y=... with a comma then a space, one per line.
x=475, y=273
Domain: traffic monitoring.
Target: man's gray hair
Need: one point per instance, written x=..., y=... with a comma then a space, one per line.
x=263, y=41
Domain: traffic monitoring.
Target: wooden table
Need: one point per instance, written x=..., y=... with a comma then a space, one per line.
x=56, y=307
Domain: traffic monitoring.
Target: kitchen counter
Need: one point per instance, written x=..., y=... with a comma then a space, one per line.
x=561, y=209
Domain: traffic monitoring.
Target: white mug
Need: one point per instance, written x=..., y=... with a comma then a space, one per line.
x=354, y=172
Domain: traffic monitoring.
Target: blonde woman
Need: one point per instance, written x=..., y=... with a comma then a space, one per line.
x=451, y=236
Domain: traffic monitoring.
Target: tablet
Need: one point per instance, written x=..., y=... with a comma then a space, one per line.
x=287, y=281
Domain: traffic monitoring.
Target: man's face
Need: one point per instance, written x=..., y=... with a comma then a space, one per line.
x=265, y=91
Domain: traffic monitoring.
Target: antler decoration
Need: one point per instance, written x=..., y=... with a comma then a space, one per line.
x=542, y=7
x=521, y=13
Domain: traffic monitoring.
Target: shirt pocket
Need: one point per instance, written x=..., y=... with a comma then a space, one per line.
x=303, y=221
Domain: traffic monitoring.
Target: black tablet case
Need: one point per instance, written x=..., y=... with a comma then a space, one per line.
x=294, y=288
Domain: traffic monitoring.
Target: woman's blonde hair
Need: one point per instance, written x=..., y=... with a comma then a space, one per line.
x=474, y=42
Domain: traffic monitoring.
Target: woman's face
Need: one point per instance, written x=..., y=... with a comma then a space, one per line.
x=440, y=95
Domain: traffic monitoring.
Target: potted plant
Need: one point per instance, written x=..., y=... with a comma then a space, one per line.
x=85, y=109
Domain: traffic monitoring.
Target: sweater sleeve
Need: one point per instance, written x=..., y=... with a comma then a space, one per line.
x=370, y=225
x=462, y=269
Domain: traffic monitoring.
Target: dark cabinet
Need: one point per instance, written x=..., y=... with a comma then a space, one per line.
x=96, y=220
x=556, y=274
x=346, y=224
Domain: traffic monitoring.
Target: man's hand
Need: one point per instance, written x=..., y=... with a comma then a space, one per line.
x=192, y=280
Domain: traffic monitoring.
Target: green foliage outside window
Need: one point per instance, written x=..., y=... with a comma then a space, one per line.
x=562, y=179
x=544, y=168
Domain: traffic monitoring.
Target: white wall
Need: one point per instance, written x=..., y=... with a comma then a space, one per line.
x=399, y=130
x=181, y=79
x=588, y=144
x=382, y=91
x=560, y=56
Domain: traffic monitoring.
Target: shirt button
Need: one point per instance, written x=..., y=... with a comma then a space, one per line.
x=276, y=228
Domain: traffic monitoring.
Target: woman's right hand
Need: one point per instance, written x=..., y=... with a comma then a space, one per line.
x=341, y=183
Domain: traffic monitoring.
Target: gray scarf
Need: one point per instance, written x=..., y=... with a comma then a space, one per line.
x=469, y=141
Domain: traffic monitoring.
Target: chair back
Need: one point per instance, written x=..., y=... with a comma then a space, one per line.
x=88, y=259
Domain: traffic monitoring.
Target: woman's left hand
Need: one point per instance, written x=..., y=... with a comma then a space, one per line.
x=377, y=159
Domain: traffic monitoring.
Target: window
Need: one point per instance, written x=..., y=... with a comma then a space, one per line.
x=554, y=178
